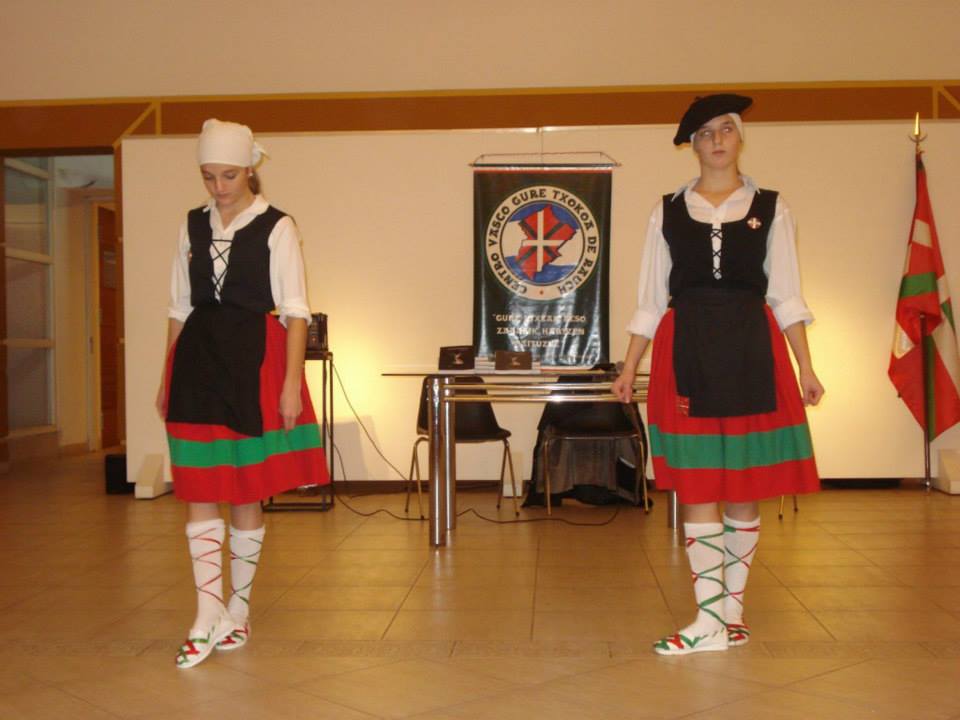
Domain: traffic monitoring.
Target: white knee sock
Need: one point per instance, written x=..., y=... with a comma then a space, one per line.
x=705, y=553
x=245, y=546
x=205, y=539
x=740, y=543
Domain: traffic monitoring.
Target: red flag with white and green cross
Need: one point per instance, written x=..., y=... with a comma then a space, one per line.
x=924, y=364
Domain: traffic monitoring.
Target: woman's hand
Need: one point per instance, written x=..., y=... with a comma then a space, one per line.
x=623, y=386
x=290, y=404
x=810, y=387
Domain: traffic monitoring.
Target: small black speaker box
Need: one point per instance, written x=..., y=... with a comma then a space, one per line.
x=115, y=471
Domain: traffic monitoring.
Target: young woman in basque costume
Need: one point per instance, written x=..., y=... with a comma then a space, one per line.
x=719, y=290
x=239, y=420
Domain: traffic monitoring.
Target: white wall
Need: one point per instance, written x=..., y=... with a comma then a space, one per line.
x=386, y=219
x=137, y=48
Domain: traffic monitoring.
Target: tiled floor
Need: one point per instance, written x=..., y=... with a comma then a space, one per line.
x=854, y=603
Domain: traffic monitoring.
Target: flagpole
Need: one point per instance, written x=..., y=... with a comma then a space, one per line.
x=926, y=412
x=916, y=137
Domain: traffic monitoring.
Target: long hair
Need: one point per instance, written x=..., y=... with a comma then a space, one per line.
x=253, y=181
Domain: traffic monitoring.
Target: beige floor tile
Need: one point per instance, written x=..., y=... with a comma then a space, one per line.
x=67, y=624
x=479, y=576
x=843, y=576
x=770, y=539
x=341, y=598
x=927, y=575
x=864, y=598
x=13, y=679
x=278, y=704
x=890, y=625
x=789, y=705
x=775, y=625
x=324, y=624
x=602, y=626
x=526, y=670
x=918, y=688
x=405, y=688
x=631, y=577
x=280, y=576
x=273, y=556
x=914, y=556
x=900, y=541
x=590, y=557
x=461, y=625
x=413, y=556
x=13, y=595
x=361, y=576
x=527, y=703
x=382, y=650
x=946, y=598
x=763, y=669
x=290, y=670
x=563, y=649
x=48, y=704
x=153, y=624
x=804, y=650
x=650, y=688
x=598, y=599
x=83, y=598
x=801, y=557
x=515, y=557
x=469, y=598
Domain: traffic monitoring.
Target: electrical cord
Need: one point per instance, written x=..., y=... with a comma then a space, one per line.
x=466, y=511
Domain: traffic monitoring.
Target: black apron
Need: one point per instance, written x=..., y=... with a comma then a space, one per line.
x=722, y=354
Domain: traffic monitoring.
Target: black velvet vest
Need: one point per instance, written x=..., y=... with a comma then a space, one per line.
x=722, y=356
x=247, y=282
x=743, y=251
x=216, y=366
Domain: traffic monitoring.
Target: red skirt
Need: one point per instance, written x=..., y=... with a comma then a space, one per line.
x=212, y=463
x=736, y=459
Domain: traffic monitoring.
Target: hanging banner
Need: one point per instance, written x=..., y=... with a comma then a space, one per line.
x=541, y=263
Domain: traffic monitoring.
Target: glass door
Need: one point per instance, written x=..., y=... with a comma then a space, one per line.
x=29, y=313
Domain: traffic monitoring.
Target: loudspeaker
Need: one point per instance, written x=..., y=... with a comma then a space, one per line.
x=115, y=472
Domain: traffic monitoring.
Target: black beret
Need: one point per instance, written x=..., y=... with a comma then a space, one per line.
x=705, y=109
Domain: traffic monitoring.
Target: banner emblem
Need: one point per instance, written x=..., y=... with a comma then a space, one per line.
x=541, y=242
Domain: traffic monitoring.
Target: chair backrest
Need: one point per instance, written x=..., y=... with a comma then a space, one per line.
x=474, y=421
x=587, y=418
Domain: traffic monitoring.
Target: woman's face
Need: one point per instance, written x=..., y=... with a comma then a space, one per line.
x=227, y=184
x=717, y=143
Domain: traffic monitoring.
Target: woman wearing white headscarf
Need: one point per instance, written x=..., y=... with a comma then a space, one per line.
x=719, y=290
x=240, y=424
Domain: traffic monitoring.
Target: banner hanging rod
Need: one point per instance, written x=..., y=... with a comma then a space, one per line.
x=583, y=160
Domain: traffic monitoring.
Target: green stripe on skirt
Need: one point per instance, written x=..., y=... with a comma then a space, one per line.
x=248, y=451
x=732, y=452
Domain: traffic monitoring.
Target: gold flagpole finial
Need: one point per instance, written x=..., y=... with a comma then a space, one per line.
x=916, y=136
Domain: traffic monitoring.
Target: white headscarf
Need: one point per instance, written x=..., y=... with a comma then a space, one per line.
x=228, y=143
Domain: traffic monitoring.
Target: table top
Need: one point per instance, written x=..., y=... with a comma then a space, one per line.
x=542, y=372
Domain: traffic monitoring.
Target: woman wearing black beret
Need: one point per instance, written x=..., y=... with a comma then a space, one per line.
x=719, y=290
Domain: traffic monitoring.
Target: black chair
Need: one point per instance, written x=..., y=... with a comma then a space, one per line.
x=593, y=421
x=474, y=422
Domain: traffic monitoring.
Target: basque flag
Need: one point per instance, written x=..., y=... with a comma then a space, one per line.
x=924, y=365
